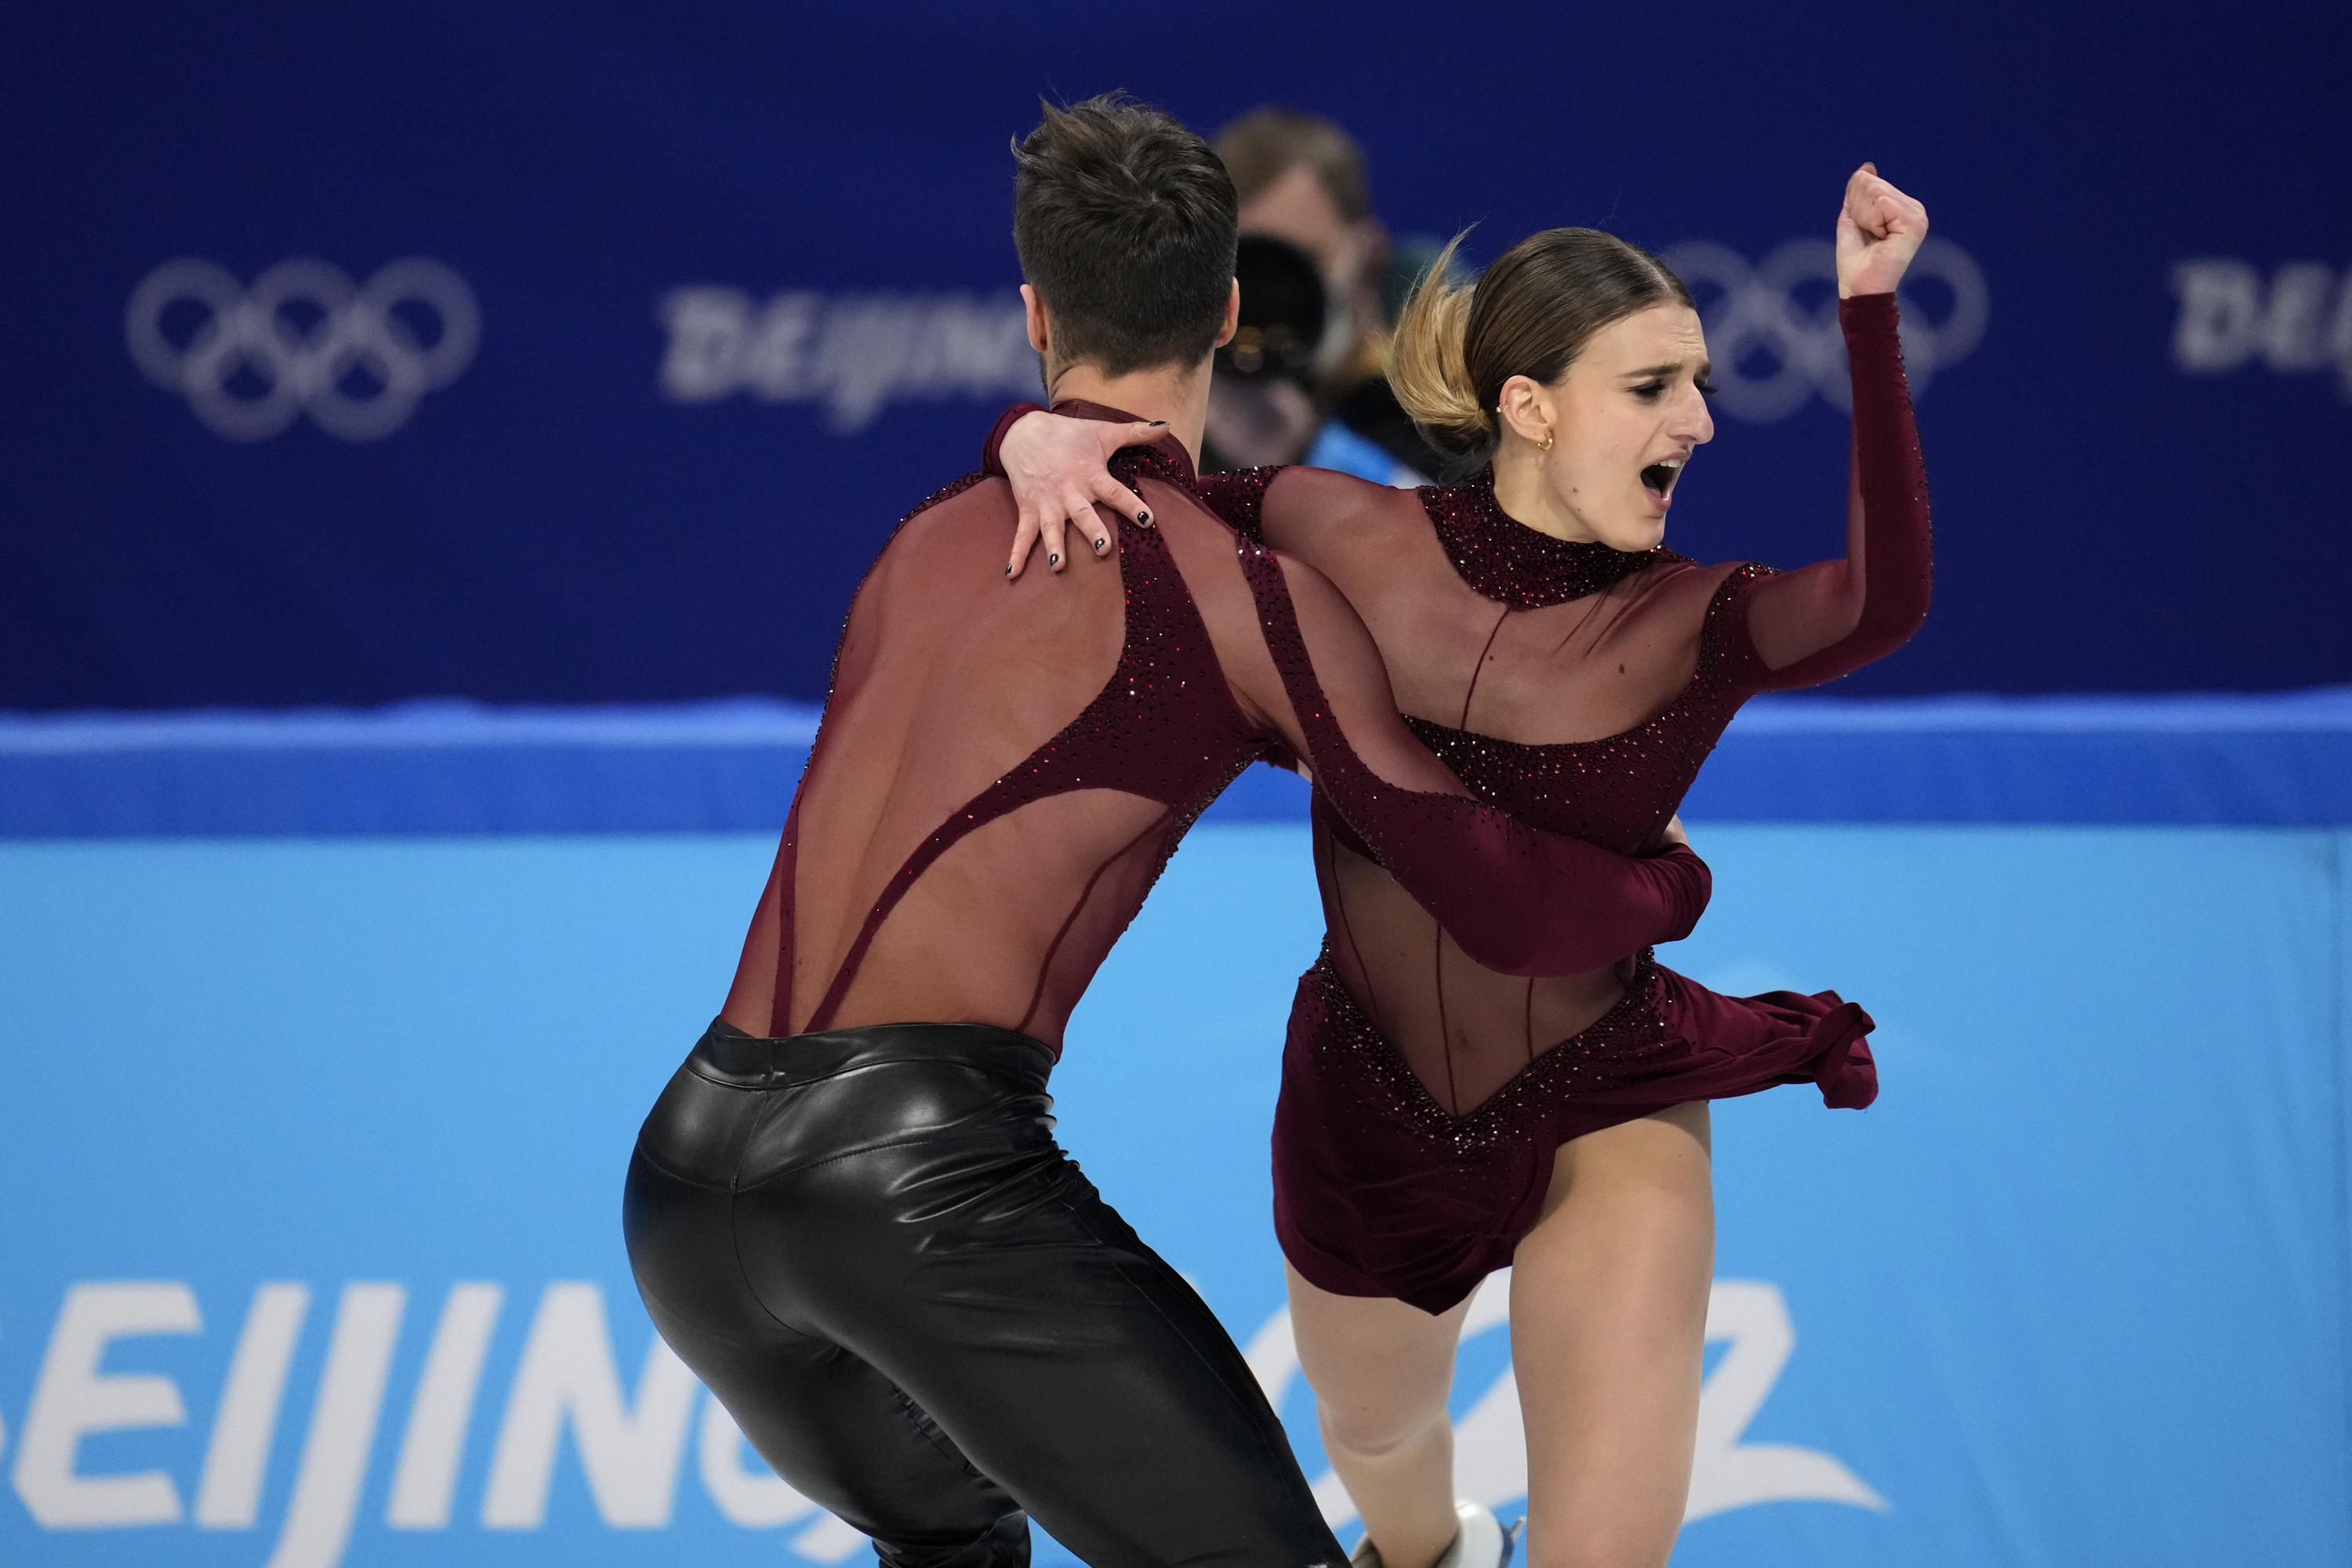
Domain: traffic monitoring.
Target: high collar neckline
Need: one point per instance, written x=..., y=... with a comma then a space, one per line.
x=1167, y=446
x=1504, y=559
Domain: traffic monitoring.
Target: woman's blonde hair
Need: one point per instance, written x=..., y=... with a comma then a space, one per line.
x=1530, y=314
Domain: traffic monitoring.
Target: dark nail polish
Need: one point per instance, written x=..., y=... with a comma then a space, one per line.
x=1008, y=570
x=1053, y=560
x=1158, y=422
x=1143, y=517
x=1102, y=544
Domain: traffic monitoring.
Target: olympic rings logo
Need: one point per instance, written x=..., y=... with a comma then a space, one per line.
x=303, y=339
x=1772, y=328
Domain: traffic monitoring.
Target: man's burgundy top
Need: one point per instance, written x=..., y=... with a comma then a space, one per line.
x=1577, y=686
x=1003, y=768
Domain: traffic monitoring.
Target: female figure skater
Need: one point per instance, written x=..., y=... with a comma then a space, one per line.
x=1438, y=1120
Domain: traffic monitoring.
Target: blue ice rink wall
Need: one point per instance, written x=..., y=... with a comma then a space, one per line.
x=314, y=1108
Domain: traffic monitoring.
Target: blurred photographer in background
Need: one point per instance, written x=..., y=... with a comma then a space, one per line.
x=1303, y=382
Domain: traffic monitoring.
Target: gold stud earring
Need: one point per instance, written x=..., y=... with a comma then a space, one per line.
x=1544, y=444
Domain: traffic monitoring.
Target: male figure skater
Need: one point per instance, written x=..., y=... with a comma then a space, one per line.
x=848, y=1211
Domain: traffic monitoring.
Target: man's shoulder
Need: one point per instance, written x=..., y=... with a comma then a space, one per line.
x=943, y=525
x=1171, y=494
x=990, y=485
x=963, y=497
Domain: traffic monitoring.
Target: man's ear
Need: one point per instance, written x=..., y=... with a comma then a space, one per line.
x=1033, y=307
x=1233, y=320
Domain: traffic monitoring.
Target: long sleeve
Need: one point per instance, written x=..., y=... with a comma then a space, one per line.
x=1238, y=497
x=1518, y=899
x=1820, y=622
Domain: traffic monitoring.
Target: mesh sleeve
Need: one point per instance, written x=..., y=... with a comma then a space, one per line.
x=1823, y=620
x=1517, y=900
x=1238, y=497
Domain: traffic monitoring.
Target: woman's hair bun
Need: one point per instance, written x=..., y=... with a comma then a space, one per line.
x=1428, y=368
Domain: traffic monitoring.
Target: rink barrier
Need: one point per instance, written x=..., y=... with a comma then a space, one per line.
x=444, y=768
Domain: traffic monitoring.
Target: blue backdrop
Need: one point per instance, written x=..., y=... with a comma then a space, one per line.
x=546, y=352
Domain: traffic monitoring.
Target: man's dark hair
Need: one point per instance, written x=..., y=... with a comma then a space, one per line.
x=1125, y=222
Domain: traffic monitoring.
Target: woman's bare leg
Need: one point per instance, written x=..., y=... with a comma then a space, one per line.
x=1607, y=1327
x=1382, y=1371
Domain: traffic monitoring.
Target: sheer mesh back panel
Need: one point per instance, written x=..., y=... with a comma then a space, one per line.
x=964, y=846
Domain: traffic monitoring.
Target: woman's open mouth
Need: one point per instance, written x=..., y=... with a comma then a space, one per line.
x=1659, y=478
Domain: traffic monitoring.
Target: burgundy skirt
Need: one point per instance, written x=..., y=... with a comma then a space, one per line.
x=1378, y=1191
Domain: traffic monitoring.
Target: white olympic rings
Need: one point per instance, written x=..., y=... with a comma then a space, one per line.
x=1772, y=331
x=297, y=336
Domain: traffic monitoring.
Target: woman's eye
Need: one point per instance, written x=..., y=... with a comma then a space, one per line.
x=1705, y=387
x=1648, y=390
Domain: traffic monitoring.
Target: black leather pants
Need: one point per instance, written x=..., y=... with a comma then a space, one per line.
x=869, y=1245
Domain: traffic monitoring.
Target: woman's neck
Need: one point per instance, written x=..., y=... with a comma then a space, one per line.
x=1528, y=498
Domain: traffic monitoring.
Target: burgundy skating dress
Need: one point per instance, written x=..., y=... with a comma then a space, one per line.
x=1425, y=1096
